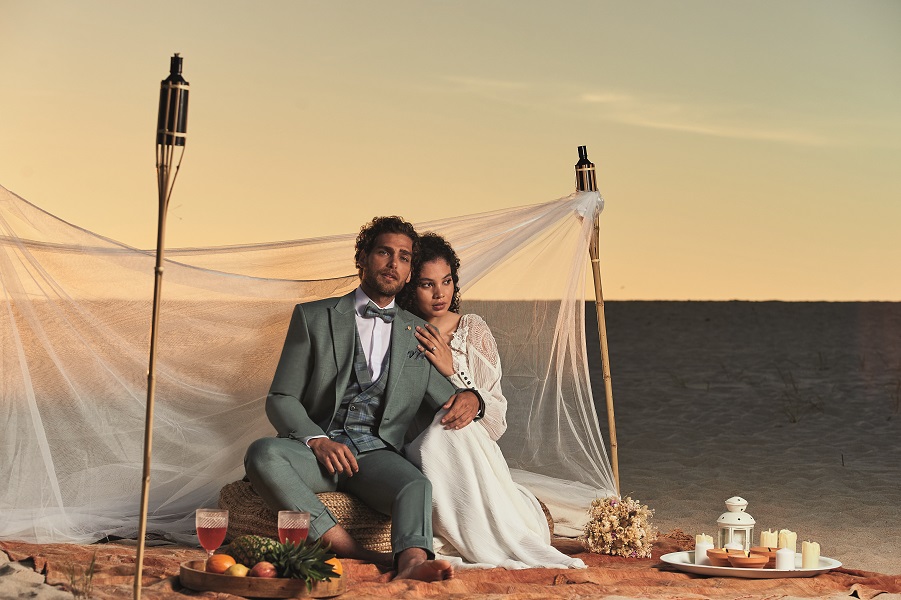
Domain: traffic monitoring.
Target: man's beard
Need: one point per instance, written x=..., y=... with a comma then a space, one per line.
x=384, y=287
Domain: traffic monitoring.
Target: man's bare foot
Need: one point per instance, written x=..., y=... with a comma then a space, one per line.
x=413, y=563
x=430, y=570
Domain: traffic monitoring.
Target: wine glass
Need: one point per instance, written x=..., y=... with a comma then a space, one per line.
x=212, y=524
x=293, y=526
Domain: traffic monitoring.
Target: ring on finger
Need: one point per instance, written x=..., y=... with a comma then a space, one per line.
x=434, y=348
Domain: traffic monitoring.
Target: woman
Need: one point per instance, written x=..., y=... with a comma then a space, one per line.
x=480, y=516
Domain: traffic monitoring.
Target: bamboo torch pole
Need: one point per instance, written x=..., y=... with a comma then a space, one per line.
x=586, y=181
x=172, y=122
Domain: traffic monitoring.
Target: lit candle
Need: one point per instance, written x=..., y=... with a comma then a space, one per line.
x=769, y=539
x=788, y=539
x=703, y=543
x=785, y=559
x=810, y=555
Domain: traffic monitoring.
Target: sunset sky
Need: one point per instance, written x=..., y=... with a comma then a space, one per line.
x=745, y=150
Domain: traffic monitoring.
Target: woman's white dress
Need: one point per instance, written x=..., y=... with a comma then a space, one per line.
x=480, y=516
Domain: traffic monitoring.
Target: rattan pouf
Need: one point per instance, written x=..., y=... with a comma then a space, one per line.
x=249, y=515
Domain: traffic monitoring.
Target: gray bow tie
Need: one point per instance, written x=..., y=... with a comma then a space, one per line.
x=385, y=314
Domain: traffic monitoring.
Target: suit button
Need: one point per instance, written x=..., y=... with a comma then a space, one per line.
x=352, y=407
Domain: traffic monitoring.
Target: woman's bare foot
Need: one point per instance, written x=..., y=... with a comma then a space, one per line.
x=413, y=563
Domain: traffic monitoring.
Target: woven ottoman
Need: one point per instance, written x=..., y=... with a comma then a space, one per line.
x=249, y=515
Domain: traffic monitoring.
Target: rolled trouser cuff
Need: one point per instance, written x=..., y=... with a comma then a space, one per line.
x=411, y=522
x=412, y=541
x=321, y=523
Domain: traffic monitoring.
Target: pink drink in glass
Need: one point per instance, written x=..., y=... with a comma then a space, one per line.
x=211, y=524
x=293, y=526
x=293, y=534
x=211, y=537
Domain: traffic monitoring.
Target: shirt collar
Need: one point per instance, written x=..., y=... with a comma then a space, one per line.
x=361, y=299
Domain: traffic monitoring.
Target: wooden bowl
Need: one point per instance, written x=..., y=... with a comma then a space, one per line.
x=748, y=560
x=193, y=576
x=766, y=551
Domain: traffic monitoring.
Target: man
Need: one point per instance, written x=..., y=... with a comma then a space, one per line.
x=348, y=385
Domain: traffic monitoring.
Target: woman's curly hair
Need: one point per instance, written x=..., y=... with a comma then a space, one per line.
x=379, y=225
x=431, y=247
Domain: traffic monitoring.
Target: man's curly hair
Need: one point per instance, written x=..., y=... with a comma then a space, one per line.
x=431, y=247
x=379, y=225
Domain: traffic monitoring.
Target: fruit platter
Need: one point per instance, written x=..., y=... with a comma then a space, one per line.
x=259, y=567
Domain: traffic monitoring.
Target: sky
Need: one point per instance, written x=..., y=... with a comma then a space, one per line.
x=744, y=150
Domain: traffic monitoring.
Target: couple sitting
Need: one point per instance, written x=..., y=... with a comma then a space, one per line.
x=353, y=382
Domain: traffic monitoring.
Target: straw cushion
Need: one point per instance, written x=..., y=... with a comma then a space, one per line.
x=249, y=515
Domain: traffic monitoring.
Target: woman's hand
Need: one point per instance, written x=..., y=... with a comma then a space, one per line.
x=432, y=344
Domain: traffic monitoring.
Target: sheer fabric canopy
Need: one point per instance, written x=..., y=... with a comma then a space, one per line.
x=75, y=313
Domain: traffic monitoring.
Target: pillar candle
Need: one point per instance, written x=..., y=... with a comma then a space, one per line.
x=703, y=543
x=785, y=559
x=810, y=555
x=733, y=546
x=769, y=539
x=788, y=539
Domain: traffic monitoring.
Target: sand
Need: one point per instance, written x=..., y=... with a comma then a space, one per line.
x=796, y=407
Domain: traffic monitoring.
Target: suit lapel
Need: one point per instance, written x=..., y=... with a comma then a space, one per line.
x=402, y=341
x=344, y=327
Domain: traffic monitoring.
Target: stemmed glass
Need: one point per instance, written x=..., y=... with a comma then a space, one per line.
x=293, y=525
x=212, y=523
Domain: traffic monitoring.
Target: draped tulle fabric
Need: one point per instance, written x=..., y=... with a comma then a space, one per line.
x=75, y=312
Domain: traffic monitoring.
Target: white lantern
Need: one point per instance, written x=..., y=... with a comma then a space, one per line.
x=735, y=525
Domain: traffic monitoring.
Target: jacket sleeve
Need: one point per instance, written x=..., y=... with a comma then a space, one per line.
x=284, y=407
x=439, y=390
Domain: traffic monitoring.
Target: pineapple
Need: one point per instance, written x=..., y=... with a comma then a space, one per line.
x=304, y=561
x=248, y=550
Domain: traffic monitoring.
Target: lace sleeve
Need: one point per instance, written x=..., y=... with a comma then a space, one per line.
x=484, y=369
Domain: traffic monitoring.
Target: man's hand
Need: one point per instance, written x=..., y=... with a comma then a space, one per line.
x=461, y=409
x=335, y=456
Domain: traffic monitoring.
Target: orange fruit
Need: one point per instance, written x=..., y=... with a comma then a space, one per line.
x=336, y=566
x=219, y=563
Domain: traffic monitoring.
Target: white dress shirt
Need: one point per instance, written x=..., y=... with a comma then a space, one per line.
x=375, y=334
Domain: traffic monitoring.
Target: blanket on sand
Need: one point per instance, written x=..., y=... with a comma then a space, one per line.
x=606, y=577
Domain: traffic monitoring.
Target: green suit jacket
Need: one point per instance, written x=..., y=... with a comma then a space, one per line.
x=317, y=363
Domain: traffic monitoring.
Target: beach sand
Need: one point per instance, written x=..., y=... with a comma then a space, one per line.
x=792, y=406
x=796, y=407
